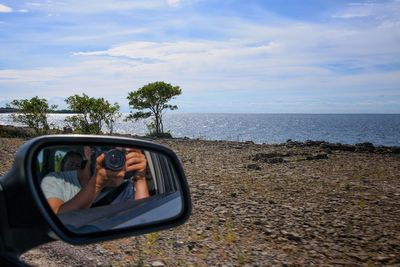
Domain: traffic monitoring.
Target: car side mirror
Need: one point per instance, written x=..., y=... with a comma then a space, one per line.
x=94, y=188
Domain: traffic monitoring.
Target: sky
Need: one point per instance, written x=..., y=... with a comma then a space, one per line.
x=267, y=56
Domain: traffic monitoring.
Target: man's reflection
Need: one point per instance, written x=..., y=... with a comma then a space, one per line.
x=92, y=178
x=72, y=161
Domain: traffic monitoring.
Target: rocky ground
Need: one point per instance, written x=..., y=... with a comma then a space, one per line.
x=294, y=204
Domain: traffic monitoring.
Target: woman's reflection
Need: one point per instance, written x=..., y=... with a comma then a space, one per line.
x=96, y=178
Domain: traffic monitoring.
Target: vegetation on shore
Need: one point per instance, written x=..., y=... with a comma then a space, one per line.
x=91, y=114
x=32, y=113
x=151, y=101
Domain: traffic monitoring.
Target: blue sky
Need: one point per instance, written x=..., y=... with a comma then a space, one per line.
x=270, y=56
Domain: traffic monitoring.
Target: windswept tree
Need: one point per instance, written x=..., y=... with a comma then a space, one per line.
x=32, y=113
x=91, y=114
x=151, y=101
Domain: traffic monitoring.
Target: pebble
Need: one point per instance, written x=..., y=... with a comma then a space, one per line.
x=157, y=264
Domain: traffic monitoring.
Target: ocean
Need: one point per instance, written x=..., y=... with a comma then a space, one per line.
x=379, y=129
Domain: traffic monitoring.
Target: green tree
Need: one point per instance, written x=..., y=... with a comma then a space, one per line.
x=152, y=101
x=32, y=113
x=91, y=114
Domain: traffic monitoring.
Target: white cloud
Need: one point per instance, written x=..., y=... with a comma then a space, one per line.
x=291, y=49
x=95, y=6
x=182, y=51
x=173, y=2
x=5, y=9
x=259, y=57
x=34, y=4
x=352, y=15
x=296, y=57
x=99, y=36
x=356, y=10
x=375, y=10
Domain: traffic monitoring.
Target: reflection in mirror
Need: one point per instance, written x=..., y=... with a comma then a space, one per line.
x=97, y=188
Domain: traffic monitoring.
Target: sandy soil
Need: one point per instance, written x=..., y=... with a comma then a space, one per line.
x=262, y=205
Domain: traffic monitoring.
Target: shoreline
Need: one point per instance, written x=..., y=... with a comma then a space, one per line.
x=10, y=131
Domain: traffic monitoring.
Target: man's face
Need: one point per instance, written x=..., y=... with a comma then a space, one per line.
x=73, y=163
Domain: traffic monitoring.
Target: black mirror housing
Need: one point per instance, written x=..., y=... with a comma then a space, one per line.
x=25, y=206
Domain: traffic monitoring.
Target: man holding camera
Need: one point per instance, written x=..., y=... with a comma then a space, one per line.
x=80, y=189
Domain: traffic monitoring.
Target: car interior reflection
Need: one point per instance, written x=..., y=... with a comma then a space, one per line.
x=131, y=213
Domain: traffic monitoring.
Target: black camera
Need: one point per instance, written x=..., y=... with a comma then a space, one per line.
x=114, y=159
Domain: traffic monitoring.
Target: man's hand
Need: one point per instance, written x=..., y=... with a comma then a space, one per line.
x=87, y=151
x=136, y=161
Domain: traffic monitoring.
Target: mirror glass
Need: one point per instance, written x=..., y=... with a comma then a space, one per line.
x=95, y=188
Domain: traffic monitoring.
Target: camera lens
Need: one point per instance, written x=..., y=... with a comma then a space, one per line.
x=114, y=160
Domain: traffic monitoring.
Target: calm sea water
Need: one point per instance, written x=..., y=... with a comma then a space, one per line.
x=379, y=129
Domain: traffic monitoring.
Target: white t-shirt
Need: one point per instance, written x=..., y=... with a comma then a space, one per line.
x=61, y=185
x=65, y=185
